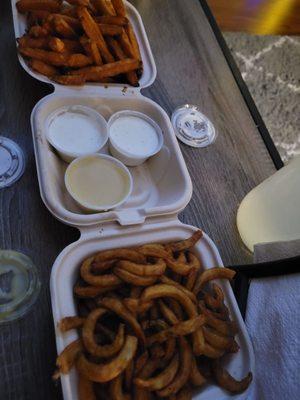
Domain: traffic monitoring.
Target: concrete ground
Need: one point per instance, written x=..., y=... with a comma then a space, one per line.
x=270, y=66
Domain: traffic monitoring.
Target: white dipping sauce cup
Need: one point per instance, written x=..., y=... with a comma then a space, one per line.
x=85, y=175
x=122, y=135
x=75, y=131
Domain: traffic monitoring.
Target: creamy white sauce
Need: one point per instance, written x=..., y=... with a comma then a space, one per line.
x=97, y=182
x=76, y=132
x=134, y=135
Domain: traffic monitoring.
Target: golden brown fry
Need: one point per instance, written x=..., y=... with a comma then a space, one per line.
x=69, y=323
x=120, y=254
x=116, y=389
x=162, y=290
x=92, y=291
x=23, y=6
x=135, y=307
x=218, y=340
x=184, y=394
x=63, y=28
x=104, y=351
x=181, y=329
x=68, y=357
x=97, y=280
x=38, y=43
x=191, y=279
x=120, y=55
x=161, y=380
x=167, y=313
x=95, y=74
x=176, y=308
x=154, y=250
x=106, y=372
x=188, y=243
x=168, y=281
x=216, y=300
x=85, y=389
x=178, y=267
x=141, y=362
x=210, y=274
x=105, y=7
x=224, y=327
x=128, y=375
x=183, y=373
x=156, y=269
x=134, y=279
x=212, y=352
x=119, y=7
x=227, y=382
x=170, y=349
x=112, y=20
x=151, y=366
x=92, y=30
x=197, y=379
x=102, y=266
x=57, y=45
x=156, y=351
x=42, y=68
x=118, y=307
x=110, y=30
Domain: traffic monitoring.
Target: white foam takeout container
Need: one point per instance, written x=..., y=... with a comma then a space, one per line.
x=161, y=189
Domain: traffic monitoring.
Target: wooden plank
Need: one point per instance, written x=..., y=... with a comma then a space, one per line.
x=191, y=68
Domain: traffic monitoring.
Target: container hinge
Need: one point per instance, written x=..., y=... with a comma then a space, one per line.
x=130, y=217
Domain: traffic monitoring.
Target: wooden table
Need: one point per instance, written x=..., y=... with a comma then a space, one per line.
x=195, y=67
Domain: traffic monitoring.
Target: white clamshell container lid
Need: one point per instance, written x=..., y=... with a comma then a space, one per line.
x=149, y=72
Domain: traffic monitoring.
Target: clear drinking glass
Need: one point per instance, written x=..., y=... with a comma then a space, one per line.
x=12, y=162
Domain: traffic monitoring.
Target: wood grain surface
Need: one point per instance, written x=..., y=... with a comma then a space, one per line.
x=191, y=69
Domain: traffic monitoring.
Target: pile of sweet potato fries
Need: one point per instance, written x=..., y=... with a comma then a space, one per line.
x=150, y=325
x=80, y=41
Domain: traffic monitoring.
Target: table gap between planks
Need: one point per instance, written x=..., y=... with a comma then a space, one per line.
x=191, y=69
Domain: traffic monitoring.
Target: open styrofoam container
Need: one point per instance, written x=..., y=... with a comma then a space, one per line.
x=162, y=188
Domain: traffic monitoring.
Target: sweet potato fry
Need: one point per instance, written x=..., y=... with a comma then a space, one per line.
x=79, y=2
x=50, y=57
x=72, y=21
x=96, y=74
x=37, y=17
x=23, y=6
x=119, y=7
x=69, y=10
x=126, y=45
x=92, y=30
x=35, y=43
x=112, y=20
x=91, y=50
x=133, y=40
x=120, y=55
x=56, y=44
x=63, y=28
x=72, y=80
x=110, y=30
x=38, y=31
x=78, y=60
x=105, y=7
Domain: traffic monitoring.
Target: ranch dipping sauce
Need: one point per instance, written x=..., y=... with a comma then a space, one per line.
x=134, y=137
x=98, y=182
x=76, y=131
